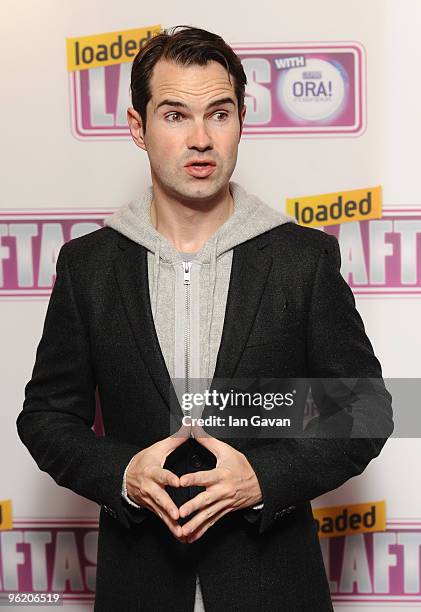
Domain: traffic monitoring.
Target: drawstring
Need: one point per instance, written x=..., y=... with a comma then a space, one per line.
x=156, y=267
x=211, y=299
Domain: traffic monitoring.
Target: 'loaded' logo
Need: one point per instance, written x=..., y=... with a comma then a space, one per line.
x=107, y=49
x=339, y=207
x=355, y=518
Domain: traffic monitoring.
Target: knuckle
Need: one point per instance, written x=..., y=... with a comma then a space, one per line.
x=226, y=493
x=141, y=493
x=142, y=485
x=145, y=492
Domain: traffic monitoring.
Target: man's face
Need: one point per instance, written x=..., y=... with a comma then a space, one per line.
x=192, y=116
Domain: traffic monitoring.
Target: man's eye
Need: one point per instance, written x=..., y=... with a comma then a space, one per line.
x=170, y=116
x=175, y=116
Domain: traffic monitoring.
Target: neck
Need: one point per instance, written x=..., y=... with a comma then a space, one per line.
x=189, y=223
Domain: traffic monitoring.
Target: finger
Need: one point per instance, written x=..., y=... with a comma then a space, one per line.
x=172, y=442
x=203, y=478
x=157, y=507
x=202, y=500
x=166, y=477
x=164, y=502
x=162, y=476
x=209, y=523
x=208, y=441
x=184, y=431
x=199, y=432
x=203, y=518
x=173, y=526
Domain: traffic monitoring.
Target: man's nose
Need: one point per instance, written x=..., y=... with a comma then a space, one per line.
x=199, y=137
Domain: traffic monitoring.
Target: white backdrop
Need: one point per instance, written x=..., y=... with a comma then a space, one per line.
x=45, y=167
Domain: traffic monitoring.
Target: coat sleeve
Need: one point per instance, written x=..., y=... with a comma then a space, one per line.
x=58, y=412
x=294, y=470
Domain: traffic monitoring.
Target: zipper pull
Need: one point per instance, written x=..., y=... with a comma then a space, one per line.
x=187, y=266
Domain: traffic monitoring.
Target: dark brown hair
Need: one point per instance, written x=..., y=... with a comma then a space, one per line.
x=185, y=46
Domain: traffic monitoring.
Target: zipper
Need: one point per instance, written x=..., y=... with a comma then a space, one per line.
x=187, y=296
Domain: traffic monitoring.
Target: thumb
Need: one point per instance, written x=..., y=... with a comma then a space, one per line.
x=206, y=440
x=176, y=439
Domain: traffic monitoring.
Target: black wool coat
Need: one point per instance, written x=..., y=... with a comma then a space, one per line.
x=289, y=313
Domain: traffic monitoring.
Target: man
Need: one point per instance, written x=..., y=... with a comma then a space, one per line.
x=197, y=279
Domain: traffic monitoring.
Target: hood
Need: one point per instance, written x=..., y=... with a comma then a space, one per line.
x=250, y=218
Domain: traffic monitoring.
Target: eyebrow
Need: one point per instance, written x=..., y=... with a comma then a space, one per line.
x=178, y=104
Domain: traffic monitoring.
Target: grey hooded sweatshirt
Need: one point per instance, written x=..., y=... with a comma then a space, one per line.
x=188, y=291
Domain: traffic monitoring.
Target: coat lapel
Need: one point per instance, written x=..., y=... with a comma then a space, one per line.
x=249, y=272
x=131, y=270
x=250, y=269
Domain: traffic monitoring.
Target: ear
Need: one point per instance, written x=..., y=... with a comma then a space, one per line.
x=136, y=127
x=242, y=117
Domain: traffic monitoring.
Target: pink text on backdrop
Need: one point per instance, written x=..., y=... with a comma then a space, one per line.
x=294, y=89
x=382, y=256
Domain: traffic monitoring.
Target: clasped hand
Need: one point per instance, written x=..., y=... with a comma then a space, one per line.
x=231, y=485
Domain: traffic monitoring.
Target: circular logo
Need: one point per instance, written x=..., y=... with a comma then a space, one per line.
x=314, y=92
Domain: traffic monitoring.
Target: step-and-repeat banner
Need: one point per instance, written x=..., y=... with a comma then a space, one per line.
x=323, y=103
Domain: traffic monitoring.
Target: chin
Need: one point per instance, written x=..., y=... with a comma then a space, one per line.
x=198, y=191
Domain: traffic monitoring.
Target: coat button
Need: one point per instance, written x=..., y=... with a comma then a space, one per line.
x=196, y=461
x=110, y=511
x=280, y=513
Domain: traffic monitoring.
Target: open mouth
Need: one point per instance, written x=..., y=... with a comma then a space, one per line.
x=200, y=169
